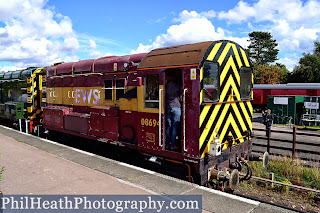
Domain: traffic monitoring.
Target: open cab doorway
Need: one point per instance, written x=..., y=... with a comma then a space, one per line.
x=173, y=109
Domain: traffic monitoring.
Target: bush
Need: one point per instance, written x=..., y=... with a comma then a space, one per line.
x=285, y=169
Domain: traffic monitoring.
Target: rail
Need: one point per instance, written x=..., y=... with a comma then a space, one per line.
x=184, y=120
x=285, y=184
x=160, y=118
x=293, y=141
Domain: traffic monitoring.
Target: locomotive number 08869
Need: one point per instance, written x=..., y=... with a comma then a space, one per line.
x=149, y=122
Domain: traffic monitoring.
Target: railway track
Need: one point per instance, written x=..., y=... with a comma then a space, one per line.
x=288, y=142
x=273, y=200
x=270, y=203
x=285, y=184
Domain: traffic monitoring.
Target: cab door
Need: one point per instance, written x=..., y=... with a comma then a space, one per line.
x=190, y=110
x=151, y=111
x=174, y=117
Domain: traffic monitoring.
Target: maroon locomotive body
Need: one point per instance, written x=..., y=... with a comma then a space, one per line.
x=121, y=100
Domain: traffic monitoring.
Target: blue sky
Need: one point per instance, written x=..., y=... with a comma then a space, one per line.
x=43, y=32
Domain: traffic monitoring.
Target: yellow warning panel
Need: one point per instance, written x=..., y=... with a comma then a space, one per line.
x=193, y=74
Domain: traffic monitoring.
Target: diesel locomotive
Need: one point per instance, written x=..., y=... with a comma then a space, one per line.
x=121, y=100
x=21, y=98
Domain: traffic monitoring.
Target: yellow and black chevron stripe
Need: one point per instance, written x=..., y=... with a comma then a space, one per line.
x=230, y=116
x=34, y=91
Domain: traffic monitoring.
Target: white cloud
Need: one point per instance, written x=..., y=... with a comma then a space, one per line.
x=282, y=27
x=108, y=54
x=209, y=14
x=9, y=8
x=293, y=23
x=10, y=68
x=70, y=44
x=96, y=54
x=186, y=15
x=100, y=40
x=294, y=36
x=194, y=27
x=272, y=10
x=296, y=11
x=238, y=14
x=92, y=44
x=290, y=60
x=71, y=58
x=288, y=19
x=288, y=44
x=34, y=36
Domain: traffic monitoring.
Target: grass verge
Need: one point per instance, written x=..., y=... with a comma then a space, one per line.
x=285, y=169
x=290, y=172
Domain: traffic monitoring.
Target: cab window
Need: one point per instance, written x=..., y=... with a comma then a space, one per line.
x=245, y=82
x=210, y=82
x=16, y=74
x=120, y=88
x=151, y=94
x=7, y=75
x=108, y=89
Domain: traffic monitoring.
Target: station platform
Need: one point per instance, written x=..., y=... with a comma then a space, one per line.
x=41, y=167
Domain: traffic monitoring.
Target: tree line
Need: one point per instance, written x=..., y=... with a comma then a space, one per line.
x=263, y=53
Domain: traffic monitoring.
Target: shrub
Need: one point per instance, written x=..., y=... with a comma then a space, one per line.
x=285, y=168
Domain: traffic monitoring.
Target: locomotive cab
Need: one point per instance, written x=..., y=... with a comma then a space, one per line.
x=216, y=103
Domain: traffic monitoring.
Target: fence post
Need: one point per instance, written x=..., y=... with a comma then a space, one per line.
x=272, y=178
x=268, y=145
x=294, y=142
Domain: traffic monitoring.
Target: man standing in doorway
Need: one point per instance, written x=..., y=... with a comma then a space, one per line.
x=173, y=112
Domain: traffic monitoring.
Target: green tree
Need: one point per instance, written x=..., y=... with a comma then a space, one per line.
x=285, y=73
x=262, y=48
x=267, y=74
x=316, y=47
x=308, y=69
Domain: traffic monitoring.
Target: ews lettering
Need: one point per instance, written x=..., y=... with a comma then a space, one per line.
x=85, y=96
